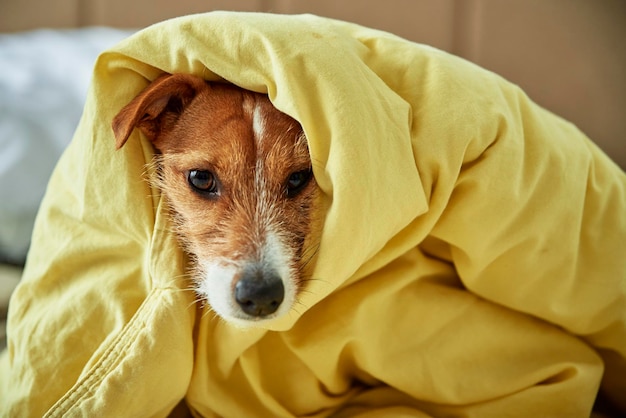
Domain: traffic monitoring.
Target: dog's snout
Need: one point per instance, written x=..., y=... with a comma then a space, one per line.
x=259, y=294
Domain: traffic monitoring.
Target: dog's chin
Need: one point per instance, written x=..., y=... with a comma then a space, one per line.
x=215, y=285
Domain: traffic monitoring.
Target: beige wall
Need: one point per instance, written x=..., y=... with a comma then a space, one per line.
x=569, y=55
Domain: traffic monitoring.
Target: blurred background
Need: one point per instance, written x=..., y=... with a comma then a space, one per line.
x=568, y=55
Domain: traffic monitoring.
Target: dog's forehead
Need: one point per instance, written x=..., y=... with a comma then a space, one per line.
x=269, y=125
x=227, y=102
x=245, y=116
x=226, y=126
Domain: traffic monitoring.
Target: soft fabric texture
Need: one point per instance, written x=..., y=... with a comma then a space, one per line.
x=472, y=261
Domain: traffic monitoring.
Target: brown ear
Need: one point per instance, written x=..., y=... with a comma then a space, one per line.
x=167, y=95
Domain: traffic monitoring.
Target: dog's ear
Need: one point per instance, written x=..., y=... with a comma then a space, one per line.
x=157, y=106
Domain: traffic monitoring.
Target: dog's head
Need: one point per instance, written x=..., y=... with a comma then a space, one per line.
x=238, y=177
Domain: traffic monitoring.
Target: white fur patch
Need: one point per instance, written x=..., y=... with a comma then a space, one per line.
x=258, y=122
x=216, y=286
x=276, y=256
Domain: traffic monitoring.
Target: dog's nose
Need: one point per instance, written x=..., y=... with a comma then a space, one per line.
x=259, y=294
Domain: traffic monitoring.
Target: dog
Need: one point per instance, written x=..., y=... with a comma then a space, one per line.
x=237, y=176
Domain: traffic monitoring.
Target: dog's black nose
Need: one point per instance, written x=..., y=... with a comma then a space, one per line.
x=259, y=294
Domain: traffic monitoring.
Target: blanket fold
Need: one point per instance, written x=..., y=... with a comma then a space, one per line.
x=472, y=261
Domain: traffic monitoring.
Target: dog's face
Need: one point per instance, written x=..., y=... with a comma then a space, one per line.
x=237, y=175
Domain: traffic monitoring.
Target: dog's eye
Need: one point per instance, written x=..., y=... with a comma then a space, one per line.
x=202, y=181
x=297, y=181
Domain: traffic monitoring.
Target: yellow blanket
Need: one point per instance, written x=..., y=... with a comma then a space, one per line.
x=472, y=263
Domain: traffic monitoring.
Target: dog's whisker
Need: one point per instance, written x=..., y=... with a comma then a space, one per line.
x=307, y=258
x=179, y=277
x=214, y=317
x=192, y=303
x=305, y=291
x=298, y=303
